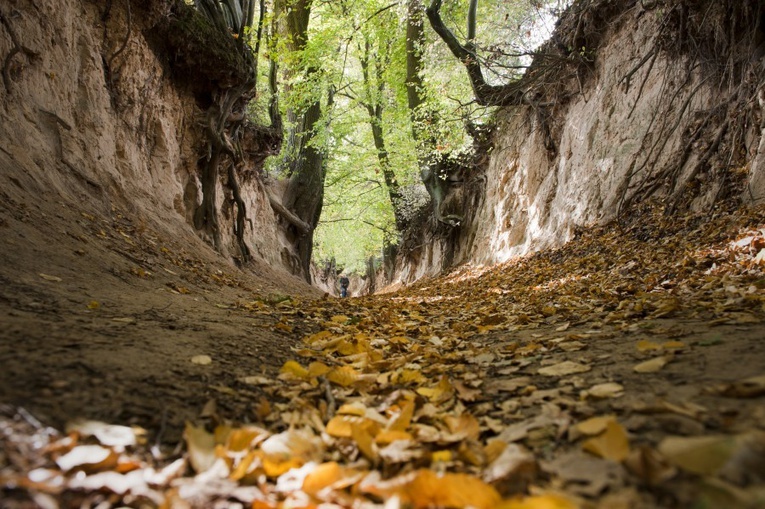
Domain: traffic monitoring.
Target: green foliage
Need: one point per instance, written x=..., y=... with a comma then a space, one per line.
x=357, y=217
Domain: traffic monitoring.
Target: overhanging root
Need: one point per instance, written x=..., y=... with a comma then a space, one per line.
x=241, y=213
x=15, y=50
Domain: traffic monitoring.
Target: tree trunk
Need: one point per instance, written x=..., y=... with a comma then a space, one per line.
x=373, y=104
x=420, y=115
x=304, y=196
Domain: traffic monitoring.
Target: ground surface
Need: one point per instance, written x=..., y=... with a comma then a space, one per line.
x=624, y=370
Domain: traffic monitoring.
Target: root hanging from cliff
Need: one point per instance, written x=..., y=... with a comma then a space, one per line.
x=722, y=41
x=17, y=48
x=223, y=117
x=121, y=49
x=241, y=213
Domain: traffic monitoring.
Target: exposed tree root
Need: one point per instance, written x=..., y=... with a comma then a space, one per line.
x=17, y=48
x=241, y=213
x=124, y=41
x=719, y=41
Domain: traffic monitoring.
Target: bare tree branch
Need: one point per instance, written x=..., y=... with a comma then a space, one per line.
x=485, y=94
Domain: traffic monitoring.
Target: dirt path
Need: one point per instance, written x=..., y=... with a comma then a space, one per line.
x=625, y=370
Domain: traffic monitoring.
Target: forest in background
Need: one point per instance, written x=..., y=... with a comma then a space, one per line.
x=373, y=106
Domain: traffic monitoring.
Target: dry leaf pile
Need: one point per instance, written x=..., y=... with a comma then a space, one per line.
x=546, y=382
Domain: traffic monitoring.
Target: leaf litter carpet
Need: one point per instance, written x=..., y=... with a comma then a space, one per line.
x=624, y=370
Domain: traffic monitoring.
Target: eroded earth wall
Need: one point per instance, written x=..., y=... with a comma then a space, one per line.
x=639, y=122
x=92, y=118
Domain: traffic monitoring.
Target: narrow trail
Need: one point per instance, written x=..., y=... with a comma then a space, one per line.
x=626, y=369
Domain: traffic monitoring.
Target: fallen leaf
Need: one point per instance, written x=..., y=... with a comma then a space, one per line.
x=646, y=346
x=202, y=360
x=564, y=368
x=594, y=425
x=649, y=466
x=90, y=458
x=703, y=455
x=613, y=444
x=344, y=376
x=604, y=390
x=512, y=470
x=107, y=434
x=201, y=446
x=293, y=369
x=425, y=488
x=747, y=388
x=256, y=380
x=48, y=277
x=652, y=365
x=540, y=502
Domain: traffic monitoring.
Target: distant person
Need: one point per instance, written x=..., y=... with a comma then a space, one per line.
x=344, y=282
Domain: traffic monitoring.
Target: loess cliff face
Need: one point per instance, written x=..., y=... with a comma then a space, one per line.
x=649, y=113
x=95, y=117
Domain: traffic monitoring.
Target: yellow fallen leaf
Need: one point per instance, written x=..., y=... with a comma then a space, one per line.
x=356, y=408
x=409, y=376
x=317, y=337
x=652, y=365
x=386, y=437
x=339, y=319
x=403, y=417
x=594, y=425
x=494, y=449
x=444, y=456
x=613, y=444
x=294, y=369
x=247, y=469
x=341, y=426
x=429, y=489
x=539, y=502
x=646, y=346
x=275, y=467
x=94, y=304
x=344, y=376
x=365, y=442
x=439, y=393
x=316, y=369
x=673, y=345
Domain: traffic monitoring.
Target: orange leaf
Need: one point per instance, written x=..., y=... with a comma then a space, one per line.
x=324, y=475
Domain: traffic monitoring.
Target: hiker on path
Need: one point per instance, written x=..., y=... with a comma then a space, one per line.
x=344, y=282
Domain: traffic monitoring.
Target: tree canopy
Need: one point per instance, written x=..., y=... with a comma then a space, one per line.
x=349, y=60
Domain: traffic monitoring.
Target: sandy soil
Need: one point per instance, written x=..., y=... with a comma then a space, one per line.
x=101, y=314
